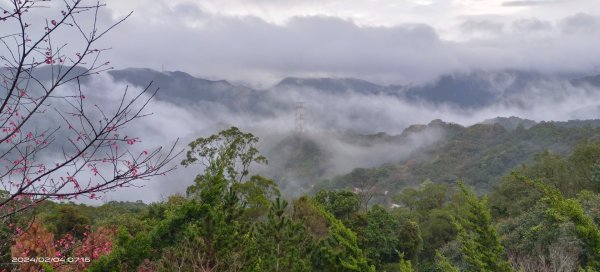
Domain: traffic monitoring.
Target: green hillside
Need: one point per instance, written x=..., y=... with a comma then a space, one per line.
x=479, y=154
x=536, y=208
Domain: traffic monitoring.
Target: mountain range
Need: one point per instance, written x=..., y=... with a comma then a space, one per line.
x=441, y=151
x=475, y=89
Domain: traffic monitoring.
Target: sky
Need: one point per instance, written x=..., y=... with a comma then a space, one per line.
x=389, y=41
x=259, y=42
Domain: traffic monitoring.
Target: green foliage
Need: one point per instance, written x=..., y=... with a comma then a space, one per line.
x=482, y=154
x=437, y=230
x=560, y=209
x=281, y=244
x=384, y=236
x=213, y=226
x=428, y=207
x=442, y=264
x=47, y=267
x=535, y=241
x=511, y=198
x=404, y=265
x=569, y=176
x=381, y=237
x=430, y=196
x=129, y=252
x=590, y=202
x=596, y=175
x=255, y=196
x=336, y=246
x=224, y=184
x=585, y=156
x=410, y=240
x=67, y=219
x=365, y=181
x=342, y=204
x=479, y=243
x=530, y=228
x=228, y=153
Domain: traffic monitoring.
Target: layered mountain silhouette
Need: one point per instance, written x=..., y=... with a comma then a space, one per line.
x=464, y=90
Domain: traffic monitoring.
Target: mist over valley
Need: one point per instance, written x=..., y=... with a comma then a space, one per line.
x=351, y=123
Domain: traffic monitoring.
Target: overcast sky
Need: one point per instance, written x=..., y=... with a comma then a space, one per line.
x=394, y=41
x=388, y=41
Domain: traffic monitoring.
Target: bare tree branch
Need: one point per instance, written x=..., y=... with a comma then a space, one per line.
x=54, y=142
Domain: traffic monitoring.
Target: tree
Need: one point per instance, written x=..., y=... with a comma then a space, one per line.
x=596, y=175
x=384, y=238
x=336, y=247
x=68, y=219
x=534, y=243
x=442, y=264
x=560, y=209
x=585, y=156
x=380, y=237
x=56, y=141
x=282, y=244
x=211, y=229
x=220, y=202
x=404, y=265
x=410, y=240
x=426, y=210
x=226, y=181
x=365, y=182
x=430, y=196
x=479, y=243
x=342, y=204
x=37, y=241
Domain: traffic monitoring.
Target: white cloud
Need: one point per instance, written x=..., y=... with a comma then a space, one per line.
x=248, y=48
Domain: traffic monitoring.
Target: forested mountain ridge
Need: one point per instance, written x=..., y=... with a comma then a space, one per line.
x=474, y=89
x=479, y=154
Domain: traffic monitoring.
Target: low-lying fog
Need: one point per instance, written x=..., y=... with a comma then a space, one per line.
x=328, y=119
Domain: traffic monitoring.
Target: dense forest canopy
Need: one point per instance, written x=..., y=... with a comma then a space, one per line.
x=539, y=215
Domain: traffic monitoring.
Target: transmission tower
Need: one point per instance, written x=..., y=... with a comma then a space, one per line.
x=300, y=117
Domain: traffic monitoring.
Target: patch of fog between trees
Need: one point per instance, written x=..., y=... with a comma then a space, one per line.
x=339, y=153
x=327, y=117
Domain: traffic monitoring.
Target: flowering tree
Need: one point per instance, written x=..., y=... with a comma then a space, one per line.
x=65, y=254
x=56, y=141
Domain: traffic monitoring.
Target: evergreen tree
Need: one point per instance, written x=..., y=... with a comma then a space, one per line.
x=209, y=229
x=442, y=264
x=560, y=209
x=405, y=266
x=336, y=246
x=281, y=244
x=479, y=243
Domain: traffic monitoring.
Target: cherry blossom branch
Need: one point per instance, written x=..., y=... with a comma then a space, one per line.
x=56, y=142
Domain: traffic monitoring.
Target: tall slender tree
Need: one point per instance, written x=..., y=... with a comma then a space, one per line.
x=479, y=242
